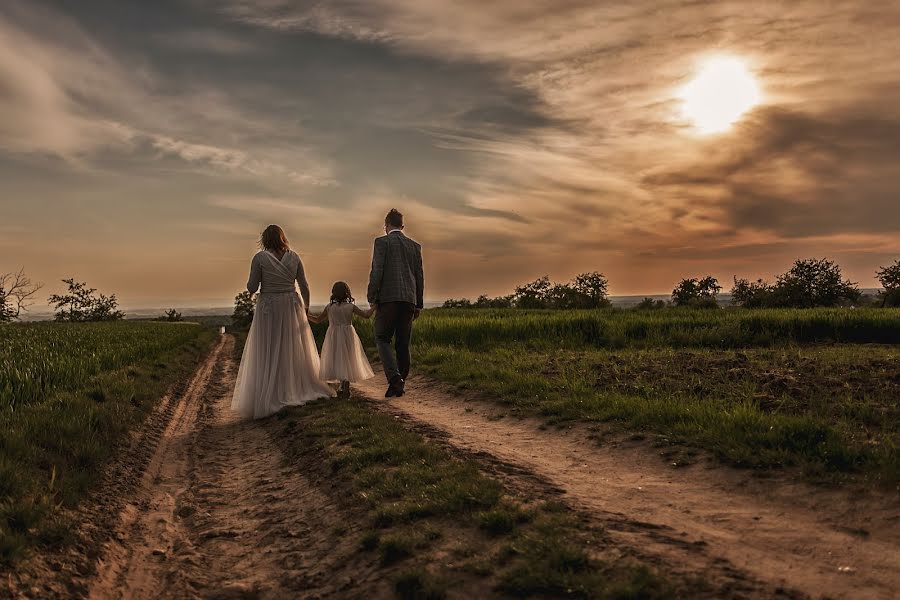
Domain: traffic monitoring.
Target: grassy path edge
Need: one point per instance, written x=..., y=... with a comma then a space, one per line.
x=57, y=454
x=421, y=501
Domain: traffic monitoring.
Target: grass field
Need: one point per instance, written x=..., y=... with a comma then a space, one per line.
x=418, y=501
x=815, y=389
x=40, y=358
x=674, y=328
x=68, y=394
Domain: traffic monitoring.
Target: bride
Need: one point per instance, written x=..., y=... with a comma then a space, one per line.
x=280, y=364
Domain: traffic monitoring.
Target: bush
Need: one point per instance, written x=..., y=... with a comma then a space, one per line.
x=756, y=294
x=592, y=289
x=171, y=316
x=16, y=294
x=7, y=312
x=650, y=304
x=814, y=282
x=244, y=307
x=534, y=294
x=889, y=277
x=499, y=302
x=809, y=283
x=82, y=304
x=587, y=290
x=697, y=293
x=461, y=303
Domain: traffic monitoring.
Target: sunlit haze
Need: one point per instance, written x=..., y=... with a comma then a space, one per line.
x=721, y=92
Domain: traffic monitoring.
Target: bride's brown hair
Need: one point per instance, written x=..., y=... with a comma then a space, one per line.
x=340, y=292
x=273, y=239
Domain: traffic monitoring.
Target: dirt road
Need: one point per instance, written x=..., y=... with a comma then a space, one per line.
x=703, y=518
x=217, y=513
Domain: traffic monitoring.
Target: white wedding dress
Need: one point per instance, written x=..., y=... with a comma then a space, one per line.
x=280, y=364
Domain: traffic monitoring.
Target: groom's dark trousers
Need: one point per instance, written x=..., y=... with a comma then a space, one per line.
x=393, y=321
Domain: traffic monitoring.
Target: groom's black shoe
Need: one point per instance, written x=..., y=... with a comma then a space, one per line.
x=395, y=388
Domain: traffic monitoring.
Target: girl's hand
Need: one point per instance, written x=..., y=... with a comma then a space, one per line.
x=365, y=314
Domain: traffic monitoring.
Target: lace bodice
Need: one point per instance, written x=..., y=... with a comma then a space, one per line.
x=340, y=314
x=272, y=276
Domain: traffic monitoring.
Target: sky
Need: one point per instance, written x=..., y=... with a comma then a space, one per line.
x=144, y=145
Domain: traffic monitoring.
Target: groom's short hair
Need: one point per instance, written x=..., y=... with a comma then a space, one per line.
x=394, y=218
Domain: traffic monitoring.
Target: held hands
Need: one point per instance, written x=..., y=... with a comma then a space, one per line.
x=416, y=313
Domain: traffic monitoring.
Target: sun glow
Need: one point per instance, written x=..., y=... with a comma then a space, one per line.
x=721, y=92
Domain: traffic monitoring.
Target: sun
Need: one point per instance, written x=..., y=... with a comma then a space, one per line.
x=721, y=92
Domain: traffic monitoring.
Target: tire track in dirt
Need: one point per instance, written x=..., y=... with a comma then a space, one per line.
x=219, y=513
x=710, y=520
x=68, y=572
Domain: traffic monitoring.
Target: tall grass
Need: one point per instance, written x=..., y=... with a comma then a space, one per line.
x=38, y=358
x=672, y=328
x=69, y=393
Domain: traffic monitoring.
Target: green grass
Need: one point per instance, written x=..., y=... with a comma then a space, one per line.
x=829, y=411
x=419, y=500
x=677, y=328
x=418, y=585
x=37, y=359
x=96, y=382
x=812, y=388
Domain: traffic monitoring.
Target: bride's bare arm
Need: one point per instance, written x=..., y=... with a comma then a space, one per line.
x=301, y=281
x=255, y=275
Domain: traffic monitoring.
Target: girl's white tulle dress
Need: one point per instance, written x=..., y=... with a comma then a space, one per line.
x=280, y=364
x=343, y=358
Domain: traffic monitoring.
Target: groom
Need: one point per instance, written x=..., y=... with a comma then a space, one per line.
x=395, y=287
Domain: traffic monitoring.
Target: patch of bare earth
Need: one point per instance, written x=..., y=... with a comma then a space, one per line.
x=221, y=515
x=762, y=536
x=213, y=511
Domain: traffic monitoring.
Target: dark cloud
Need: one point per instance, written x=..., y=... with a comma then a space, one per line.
x=798, y=174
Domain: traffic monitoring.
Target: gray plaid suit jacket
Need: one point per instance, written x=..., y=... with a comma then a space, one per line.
x=397, y=274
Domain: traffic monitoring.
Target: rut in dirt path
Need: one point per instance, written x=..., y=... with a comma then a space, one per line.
x=705, y=518
x=219, y=514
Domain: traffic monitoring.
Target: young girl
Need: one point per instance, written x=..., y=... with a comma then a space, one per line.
x=343, y=358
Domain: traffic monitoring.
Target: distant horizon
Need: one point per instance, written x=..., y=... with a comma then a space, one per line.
x=147, y=311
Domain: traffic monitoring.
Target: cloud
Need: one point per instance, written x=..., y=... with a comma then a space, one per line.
x=48, y=87
x=64, y=94
x=520, y=138
x=799, y=174
x=205, y=40
x=233, y=160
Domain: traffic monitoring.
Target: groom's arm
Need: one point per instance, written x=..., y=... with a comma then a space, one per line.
x=377, y=271
x=420, y=280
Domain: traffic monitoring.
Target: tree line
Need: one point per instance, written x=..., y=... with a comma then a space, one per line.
x=809, y=283
x=79, y=304
x=587, y=290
